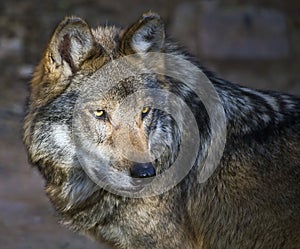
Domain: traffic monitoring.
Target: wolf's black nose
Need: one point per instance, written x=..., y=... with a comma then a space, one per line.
x=142, y=170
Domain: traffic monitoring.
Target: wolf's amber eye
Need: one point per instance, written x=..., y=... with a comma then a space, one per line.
x=145, y=111
x=99, y=114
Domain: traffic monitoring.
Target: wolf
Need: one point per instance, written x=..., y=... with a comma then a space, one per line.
x=250, y=200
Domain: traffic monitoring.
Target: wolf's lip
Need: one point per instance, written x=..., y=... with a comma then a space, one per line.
x=142, y=170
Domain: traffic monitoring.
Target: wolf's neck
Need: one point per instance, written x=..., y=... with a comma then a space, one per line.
x=249, y=110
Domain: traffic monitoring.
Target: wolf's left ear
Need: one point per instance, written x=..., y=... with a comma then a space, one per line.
x=146, y=35
x=69, y=46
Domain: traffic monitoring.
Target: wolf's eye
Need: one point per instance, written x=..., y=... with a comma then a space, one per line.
x=99, y=114
x=145, y=111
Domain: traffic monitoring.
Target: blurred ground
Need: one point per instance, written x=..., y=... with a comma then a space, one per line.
x=255, y=44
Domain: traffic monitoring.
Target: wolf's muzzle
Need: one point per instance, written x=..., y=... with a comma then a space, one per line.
x=142, y=170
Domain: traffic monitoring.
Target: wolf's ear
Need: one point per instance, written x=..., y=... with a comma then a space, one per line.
x=146, y=35
x=69, y=46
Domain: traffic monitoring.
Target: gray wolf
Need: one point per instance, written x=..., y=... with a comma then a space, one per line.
x=251, y=200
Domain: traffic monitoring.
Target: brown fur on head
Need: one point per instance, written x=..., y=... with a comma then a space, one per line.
x=74, y=46
x=73, y=57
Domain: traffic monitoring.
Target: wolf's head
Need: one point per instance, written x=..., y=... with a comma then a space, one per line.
x=81, y=106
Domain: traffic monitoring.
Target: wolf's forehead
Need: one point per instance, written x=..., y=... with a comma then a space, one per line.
x=131, y=89
x=107, y=37
x=95, y=92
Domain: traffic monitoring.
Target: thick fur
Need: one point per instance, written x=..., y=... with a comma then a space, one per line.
x=252, y=200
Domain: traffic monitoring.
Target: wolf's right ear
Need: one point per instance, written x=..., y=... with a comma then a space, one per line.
x=69, y=46
x=146, y=35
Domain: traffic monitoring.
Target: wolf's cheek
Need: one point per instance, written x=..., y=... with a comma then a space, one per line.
x=63, y=142
x=90, y=130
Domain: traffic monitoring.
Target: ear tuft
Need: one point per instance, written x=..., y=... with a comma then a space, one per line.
x=150, y=16
x=146, y=35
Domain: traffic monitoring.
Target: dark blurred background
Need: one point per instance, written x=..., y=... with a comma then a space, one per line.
x=255, y=43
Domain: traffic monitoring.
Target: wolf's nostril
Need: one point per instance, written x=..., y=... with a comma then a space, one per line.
x=142, y=170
